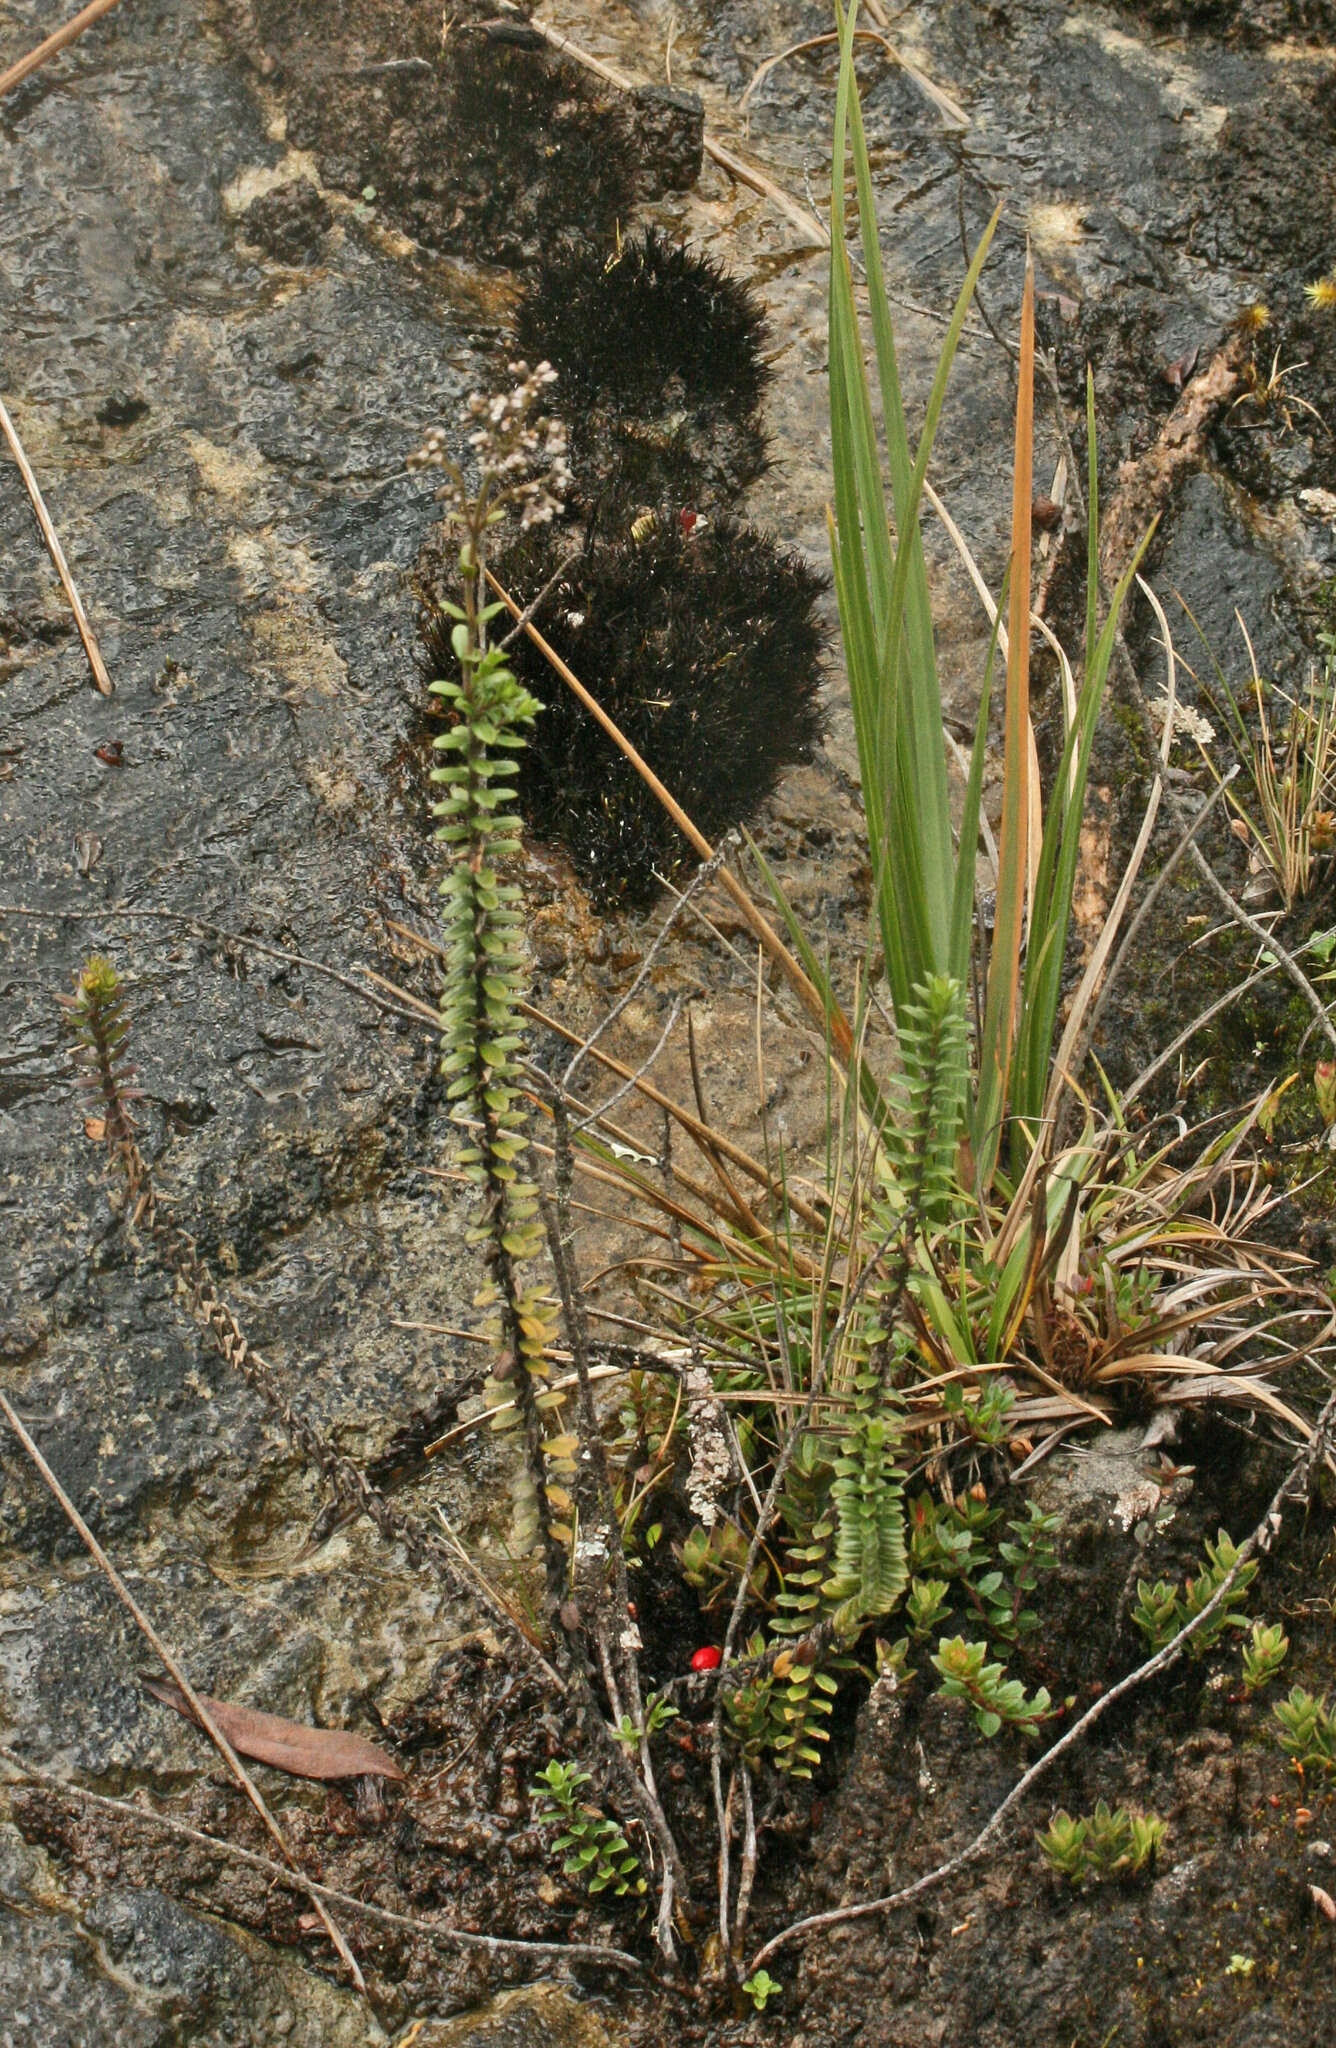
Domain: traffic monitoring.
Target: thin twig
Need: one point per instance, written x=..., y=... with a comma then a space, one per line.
x=1286, y=959
x=61, y=40
x=174, y=1671
x=448, y=1937
x=596, y=1116
x=756, y=179
x=1294, y=1486
x=747, y=1874
x=1189, y=1031
x=51, y=538
x=1235, y=910
x=535, y=603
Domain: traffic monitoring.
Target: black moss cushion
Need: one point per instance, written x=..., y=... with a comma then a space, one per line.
x=658, y=354
x=704, y=647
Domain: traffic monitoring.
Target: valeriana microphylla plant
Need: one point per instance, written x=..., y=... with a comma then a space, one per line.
x=520, y=455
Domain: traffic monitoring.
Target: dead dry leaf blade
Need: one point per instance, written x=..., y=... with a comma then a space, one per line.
x=302, y=1752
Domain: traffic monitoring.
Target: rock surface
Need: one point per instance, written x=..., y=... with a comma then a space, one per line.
x=220, y=422
x=136, y=1968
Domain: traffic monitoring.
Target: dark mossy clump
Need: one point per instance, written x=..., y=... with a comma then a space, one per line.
x=620, y=328
x=1246, y=22
x=491, y=144
x=288, y=223
x=536, y=147
x=705, y=649
x=659, y=355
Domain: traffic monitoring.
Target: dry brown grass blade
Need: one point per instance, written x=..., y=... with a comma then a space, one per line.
x=1074, y=1030
x=174, y=1671
x=752, y=175
x=1194, y=1379
x=1015, y=838
x=60, y=40
x=635, y=1188
x=700, y=1133
x=52, y=542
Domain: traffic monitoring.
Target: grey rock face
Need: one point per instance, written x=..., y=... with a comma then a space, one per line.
x=137, y=1969
x=221, y=442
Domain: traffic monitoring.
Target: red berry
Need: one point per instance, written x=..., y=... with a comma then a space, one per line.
x=708, y=1659
x=687, y=520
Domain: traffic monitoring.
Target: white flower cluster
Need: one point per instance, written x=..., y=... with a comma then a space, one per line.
x=521, y=452
x=1189, y=723
x=711, y=1458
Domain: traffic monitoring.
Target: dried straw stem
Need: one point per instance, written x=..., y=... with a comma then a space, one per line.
x=60, y=40
x=52, y=540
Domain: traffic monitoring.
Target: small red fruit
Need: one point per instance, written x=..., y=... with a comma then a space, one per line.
x=707, y=1659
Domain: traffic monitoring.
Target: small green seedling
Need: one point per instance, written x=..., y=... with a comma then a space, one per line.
x=1109, y=1843
x=658, y=1713
x=1063, y=1844
x=993, y=1697
x=1263, y=1655
x=760, y=1987
x=600, y=1852
x=1307, y=1730
x=1161, y=1610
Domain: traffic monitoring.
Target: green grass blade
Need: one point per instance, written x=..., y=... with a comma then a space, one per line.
x=895, y=698
x=1004, y=966
x=1092, y=523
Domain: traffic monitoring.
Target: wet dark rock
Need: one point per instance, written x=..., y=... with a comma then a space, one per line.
x=240, y=545
x=139, y=1969
x=288, y=223
x=1274, y=179
x=1210, y=560
x=1245, y=22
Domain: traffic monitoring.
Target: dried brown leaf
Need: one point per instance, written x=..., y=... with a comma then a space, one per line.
x=286, y=1745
